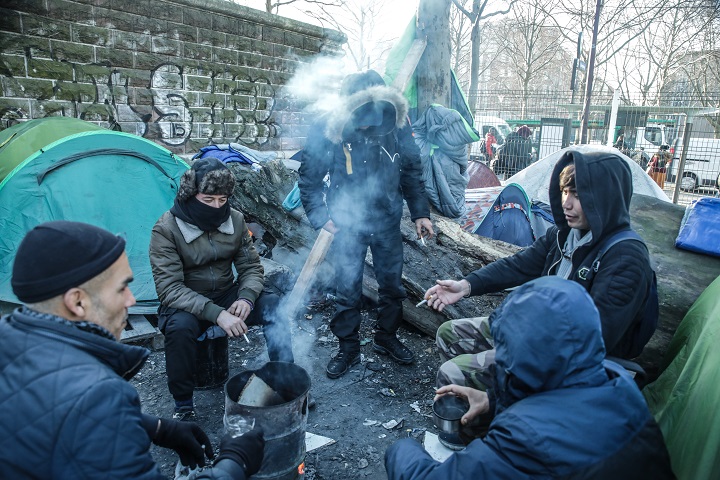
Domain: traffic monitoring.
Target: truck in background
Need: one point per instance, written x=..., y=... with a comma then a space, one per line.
x=702, y=164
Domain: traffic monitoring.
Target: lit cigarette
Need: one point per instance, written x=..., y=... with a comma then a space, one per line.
x=423, y=302
x=422, y=239
x=246, y=338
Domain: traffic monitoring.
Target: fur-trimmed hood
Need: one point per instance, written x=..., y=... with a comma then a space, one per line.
x=342, y=125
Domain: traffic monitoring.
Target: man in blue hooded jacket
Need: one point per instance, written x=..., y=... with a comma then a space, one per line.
x=560, y=409
x=366, y=147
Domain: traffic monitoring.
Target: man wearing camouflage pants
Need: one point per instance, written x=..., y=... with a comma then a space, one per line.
x=590, y=192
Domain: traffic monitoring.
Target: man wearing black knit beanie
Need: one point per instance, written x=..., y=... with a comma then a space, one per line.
x=68, y=410
x=193, y=248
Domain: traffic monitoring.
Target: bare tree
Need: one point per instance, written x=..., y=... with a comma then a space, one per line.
x=476, y=15
x=356, y=19
x=531, y=44
x=650, y=62
x=460, y=40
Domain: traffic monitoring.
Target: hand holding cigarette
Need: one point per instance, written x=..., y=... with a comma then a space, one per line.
x=423, y=302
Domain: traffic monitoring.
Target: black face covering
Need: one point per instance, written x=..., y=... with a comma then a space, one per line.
x=205, y=217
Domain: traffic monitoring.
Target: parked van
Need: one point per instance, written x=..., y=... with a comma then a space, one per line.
x=702, y=163
x=483, y=124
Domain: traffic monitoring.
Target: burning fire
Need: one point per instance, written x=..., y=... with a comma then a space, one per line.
x=301, y=469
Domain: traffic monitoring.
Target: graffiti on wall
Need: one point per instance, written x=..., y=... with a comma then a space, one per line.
x=169, y=110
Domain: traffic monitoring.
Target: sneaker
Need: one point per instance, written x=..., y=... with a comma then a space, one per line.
x=340, y=363
x=451, y=441
x=392, y=346
x=184, y=414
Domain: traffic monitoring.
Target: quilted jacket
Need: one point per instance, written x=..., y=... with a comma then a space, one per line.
x=66, y=408
x=621, y=286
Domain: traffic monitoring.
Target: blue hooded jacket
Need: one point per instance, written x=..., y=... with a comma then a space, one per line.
x=562, y=411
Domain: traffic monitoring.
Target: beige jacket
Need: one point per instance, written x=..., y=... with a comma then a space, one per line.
x=191, y=266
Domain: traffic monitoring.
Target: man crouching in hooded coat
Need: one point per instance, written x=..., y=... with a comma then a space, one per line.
x=366, y=147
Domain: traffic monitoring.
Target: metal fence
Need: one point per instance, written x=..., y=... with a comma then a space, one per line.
x=638, y=130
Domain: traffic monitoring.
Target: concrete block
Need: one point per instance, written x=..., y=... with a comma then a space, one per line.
x=198, y=52
x=49, y=69
x=14, y=44
x=250, y=30
x=184, y=33
x=96, y=112
x=150, y=61
x=138, y=42
x=10, y=21
x=250, y=60
x=225, y=24
x=196, y=18
x=89, y=73
x=224, y=56
x=91, y=35
x=27, y=88
x=236, y=42
x=210, y=37
x=223, y=85
x=167, y=46
x=262, y=47
x=12, y=66
x=272, y=34
x=76, y=92
x=71, y=11
x=114, y=57
x=49, y=108
x=14, y=108
x=211, y=100
x=197, y=83
x=71, y=52
x=294, y=39
x=170, y=80
x=38, y=7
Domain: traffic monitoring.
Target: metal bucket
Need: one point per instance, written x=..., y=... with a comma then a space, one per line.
x=211, y=363
x=284, y=424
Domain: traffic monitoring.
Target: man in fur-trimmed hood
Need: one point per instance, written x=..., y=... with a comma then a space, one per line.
x=367, y=148
x=193, y=248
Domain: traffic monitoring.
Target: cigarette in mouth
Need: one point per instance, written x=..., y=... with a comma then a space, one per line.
x=246, y=338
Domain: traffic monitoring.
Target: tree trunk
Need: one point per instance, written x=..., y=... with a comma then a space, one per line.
x=433, y=72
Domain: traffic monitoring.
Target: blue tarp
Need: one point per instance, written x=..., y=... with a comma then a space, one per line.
x=700, y=227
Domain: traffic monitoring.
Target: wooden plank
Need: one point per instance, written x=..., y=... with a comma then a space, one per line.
x=138, y=329
x=409, y=64
x=307, y=275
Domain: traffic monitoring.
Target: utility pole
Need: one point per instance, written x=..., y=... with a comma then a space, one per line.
x=591, y=71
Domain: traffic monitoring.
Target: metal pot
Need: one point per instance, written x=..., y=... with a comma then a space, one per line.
x=447, y=412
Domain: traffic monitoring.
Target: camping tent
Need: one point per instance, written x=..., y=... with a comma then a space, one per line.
x=23, y=139
x=501, y=213
x=535, y=179
x=114, y=180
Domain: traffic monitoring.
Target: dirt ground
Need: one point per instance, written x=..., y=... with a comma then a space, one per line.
x=350, y=410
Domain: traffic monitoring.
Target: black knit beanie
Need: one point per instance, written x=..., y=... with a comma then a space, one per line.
x=57, y=256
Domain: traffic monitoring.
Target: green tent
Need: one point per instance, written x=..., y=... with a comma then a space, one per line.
x=684, y=397
x=23, y=139
x=114, y=180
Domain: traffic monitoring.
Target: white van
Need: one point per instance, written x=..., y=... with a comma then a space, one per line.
x=483, y=124
x=702, y=163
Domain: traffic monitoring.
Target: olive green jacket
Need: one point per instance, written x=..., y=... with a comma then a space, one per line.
x=191, y=267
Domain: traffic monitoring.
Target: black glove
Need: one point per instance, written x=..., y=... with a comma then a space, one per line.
x=187, y=439
x=246, y=450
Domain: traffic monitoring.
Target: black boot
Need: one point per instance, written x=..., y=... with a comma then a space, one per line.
x=390, y=345
x=341, y=363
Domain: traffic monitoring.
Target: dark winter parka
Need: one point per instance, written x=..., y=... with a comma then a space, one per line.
x=621, y=286
x=366, y=146
x=67, y=409
x=561, y=411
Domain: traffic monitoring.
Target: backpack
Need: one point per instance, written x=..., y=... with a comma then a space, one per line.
x=649, y=322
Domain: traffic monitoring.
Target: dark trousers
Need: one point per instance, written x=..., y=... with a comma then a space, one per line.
x=181, y=330
x=349, y=261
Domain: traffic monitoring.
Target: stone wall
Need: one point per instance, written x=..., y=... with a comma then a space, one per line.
x=183, y=73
